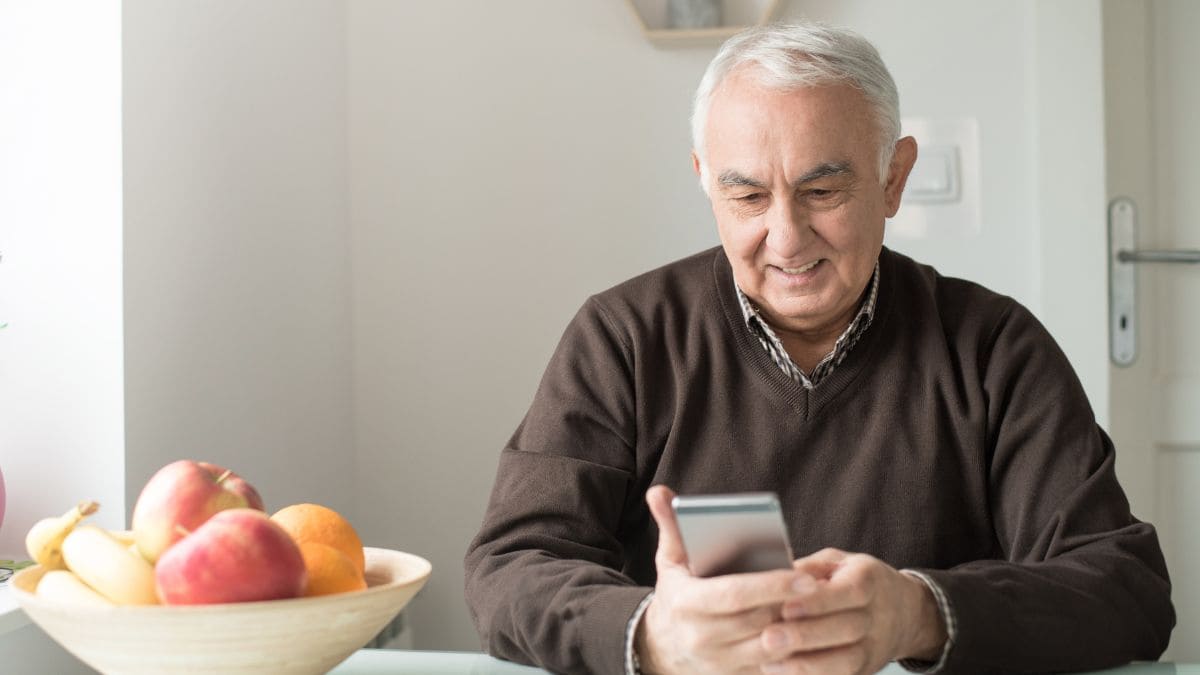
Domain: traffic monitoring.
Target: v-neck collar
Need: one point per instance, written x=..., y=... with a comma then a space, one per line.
x=829, y=362
x=806, y=402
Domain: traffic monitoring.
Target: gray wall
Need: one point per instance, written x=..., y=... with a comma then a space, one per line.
x=237, y=330
x=507, y=160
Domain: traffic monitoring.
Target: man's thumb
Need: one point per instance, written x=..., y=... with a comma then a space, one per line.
x=670, y=542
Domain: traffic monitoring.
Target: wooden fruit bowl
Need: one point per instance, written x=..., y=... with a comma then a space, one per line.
x=301, y=636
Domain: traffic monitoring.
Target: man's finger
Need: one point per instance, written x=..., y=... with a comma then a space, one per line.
x=748, y=625
x=815, y=634
x=821, y=564
x=733, y=593
x=850, y=587
x=670, y=541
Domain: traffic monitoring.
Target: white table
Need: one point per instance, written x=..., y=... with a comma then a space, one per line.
x=11, y=616
x=396, y=662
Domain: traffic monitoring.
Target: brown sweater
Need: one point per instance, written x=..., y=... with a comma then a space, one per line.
x=955, y=439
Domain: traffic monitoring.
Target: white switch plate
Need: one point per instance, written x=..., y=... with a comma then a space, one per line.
x=942, y=195
x=936, y=177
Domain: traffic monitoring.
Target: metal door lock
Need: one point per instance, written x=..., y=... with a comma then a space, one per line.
x=1123, y=254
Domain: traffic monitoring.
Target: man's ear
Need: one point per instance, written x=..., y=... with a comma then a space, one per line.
x=699, y=169
x=902, y=163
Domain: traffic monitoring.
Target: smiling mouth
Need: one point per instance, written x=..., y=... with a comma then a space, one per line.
x=800, y=270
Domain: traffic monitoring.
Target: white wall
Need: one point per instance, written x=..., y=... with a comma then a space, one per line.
x=507, y=160
x=237, y=313
x=61, y=436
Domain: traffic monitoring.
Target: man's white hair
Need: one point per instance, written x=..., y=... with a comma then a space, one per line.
x=790, y=56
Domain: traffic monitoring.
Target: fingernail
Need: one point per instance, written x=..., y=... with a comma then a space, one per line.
x=774, y=639
x=804, y=584
x=771, y=668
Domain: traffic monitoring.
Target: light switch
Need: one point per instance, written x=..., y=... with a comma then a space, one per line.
x=934, y=177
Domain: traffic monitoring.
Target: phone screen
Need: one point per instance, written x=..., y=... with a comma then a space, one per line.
x=733, y=533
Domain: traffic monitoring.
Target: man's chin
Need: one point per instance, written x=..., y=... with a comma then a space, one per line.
x=794, y=314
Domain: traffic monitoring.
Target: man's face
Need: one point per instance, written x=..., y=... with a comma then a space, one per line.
x=793, y=180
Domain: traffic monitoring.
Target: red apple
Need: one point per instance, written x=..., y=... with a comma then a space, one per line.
x=238, y=555
x=235, y=483
x=180, y=497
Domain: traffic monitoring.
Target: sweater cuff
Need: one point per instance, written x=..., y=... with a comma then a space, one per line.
x=631, y=664
x=947, y=612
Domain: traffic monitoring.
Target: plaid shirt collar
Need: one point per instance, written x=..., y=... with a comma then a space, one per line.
x=774, y=346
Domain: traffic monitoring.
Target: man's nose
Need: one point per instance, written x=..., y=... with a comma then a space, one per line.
x=789, y=229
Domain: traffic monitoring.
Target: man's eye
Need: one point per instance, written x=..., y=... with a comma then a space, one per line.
x=749, y=199
x=821, y=194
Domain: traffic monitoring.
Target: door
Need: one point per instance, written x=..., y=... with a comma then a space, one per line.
x=1152, y=102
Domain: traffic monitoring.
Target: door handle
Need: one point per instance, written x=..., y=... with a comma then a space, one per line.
x=1122, y=281
x=1178, y=256
x=1122, y=277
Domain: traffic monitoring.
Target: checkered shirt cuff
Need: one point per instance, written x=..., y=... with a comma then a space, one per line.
x=632, y=667
x=947, y=612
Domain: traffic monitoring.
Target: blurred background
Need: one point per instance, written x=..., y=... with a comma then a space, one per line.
x=331, y=244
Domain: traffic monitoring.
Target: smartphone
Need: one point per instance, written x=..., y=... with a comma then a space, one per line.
x=733, y=533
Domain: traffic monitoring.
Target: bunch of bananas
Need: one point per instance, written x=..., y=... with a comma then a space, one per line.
x=88, y=565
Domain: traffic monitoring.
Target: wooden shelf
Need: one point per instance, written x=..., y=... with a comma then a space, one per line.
x=691, y=37
x=651, y=17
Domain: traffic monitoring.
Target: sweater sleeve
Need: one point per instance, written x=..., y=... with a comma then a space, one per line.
x=1080, y=584
x=543, y=577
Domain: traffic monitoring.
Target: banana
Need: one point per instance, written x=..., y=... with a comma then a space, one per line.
x=127, y=540
x=45, y=539
x=63, y=586
x=123, y=536
x=133, y=548
x=109, y=567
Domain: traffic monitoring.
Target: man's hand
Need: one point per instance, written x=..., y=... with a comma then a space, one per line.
x=834, y=613
x=713, y=625
x=861, y=614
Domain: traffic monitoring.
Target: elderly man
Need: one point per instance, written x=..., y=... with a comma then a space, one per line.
x=941, y=472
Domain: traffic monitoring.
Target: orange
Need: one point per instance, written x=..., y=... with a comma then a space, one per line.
x=313, y=522
x=329, y=570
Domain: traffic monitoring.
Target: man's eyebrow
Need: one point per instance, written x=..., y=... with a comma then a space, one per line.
x=826, y=170
x=731, y=178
